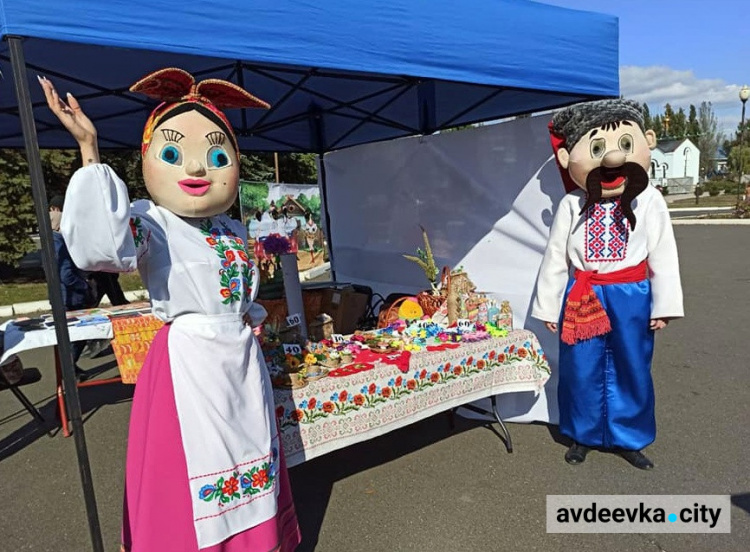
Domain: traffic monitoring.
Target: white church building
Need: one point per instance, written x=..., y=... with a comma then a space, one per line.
x=676, y=164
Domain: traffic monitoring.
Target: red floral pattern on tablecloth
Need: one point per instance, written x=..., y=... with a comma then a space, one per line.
x=331, y=409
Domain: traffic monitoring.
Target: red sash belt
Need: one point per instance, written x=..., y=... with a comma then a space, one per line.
x=584, y=316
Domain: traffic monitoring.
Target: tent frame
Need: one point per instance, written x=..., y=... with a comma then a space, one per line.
x=54, y=290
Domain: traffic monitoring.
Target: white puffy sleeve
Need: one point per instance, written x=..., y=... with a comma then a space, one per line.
x=666, y=287
x=554, y=272
x=98, y=225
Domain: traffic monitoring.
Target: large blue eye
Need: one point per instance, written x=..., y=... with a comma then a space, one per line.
x=171, y=154
x=218, y=158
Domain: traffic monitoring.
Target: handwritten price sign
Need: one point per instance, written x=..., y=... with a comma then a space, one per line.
x=465, y=325
x=292, y=349
x=337, y=338
x=294, y=320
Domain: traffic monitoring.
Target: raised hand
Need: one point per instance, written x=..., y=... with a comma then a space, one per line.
x=74, y=120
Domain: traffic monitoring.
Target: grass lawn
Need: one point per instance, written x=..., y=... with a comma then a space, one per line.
x=22, y=290
x=721, y=200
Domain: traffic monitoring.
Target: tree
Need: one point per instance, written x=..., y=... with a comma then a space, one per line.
x=647, y=122
x=298, y=168
x=693, y=125
x=678, y=127
x=257, y=168
x=734, y=159
x=709, y=136
x=58, y=166
x=17, y=217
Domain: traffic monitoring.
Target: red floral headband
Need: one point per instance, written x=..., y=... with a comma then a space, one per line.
x=176, y=87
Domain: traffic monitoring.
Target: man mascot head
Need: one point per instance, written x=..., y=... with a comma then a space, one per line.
x=603, y=148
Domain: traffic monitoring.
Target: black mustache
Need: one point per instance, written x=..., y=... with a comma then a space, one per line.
x=637, y=180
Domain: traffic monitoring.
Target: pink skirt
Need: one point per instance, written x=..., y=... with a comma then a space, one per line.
x=158, y=513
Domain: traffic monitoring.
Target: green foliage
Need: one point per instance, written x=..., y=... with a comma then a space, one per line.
x=693, y=125
x=298, y=168
x=58, y=166
x=678, y=127
x=647, y=121
x=729, y=187
x=257, y=168
x=714, y=187
x=735, y=162
x=17, y=218
x=657, y=126
x=709, y=136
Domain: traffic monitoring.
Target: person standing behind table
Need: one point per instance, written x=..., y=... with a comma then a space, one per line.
x=76, y=292
x=108, y=283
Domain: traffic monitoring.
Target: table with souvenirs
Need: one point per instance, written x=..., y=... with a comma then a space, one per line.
x=331, y=407
x=331, y=391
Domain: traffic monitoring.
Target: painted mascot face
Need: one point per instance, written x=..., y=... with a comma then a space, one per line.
x=609, y=159
x=191, y=167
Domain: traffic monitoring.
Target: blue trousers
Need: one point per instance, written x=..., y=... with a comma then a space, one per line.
x=605, y=390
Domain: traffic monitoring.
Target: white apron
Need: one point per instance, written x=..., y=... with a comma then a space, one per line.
x=232, y=460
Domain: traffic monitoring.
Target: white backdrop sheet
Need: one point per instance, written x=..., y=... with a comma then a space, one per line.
x=486, y=197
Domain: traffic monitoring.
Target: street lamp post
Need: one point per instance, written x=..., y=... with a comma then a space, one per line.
x=744, y=95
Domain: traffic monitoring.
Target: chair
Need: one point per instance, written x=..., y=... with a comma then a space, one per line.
x=30, y=375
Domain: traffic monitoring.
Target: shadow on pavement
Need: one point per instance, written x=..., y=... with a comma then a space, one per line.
x=312, y=482
x=92, y=399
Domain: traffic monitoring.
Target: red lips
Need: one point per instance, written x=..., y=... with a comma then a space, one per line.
x=613, y=184
x=194, y=186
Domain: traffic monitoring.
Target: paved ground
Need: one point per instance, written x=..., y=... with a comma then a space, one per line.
x=426, y=488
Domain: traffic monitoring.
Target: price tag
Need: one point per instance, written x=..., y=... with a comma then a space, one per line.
x=465, y=325
x=294, y=320
x=337, y=338
x=422, y=324
x=292, y=349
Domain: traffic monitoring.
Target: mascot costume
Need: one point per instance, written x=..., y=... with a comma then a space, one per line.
x=205, y=470
x=608, y=280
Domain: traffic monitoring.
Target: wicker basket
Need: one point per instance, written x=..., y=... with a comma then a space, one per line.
x=429, y=302
x=390, y=315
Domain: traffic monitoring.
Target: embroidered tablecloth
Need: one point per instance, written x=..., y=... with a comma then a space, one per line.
x=333, y=413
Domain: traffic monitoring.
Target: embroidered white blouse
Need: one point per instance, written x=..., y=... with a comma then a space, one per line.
x=602, y=240
x=188, y=265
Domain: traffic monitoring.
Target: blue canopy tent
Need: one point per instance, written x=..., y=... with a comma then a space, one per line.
x=353, y=72
x=336, y=74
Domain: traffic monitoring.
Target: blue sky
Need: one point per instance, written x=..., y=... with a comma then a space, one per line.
x=681, y=51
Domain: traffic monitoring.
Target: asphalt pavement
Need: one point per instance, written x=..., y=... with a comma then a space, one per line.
x=430, y=488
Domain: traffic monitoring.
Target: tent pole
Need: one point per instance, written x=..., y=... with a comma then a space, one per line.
x=317, y=136
x=53, y=283
x=326, y=212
